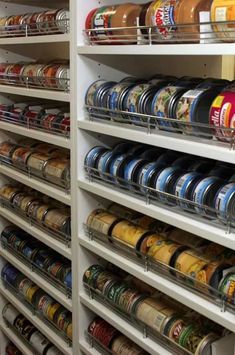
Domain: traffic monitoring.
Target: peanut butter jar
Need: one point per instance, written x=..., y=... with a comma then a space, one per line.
x=188, y=12
x=223, y=10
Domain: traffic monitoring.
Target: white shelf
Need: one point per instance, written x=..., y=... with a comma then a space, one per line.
x=186, y=221
x=56, y=38
x=37, y=184
x=123, y=326
x=38, y=323
x=179, y=293
x=39, y=280
x=87, y=349
x=16, y=340
x=39, y=135
x=36, y=232
x=186, y=144
x=160, y=49
x=39, y=93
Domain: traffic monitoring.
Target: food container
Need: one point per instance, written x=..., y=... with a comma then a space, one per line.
x=223, y=11
x=102, y=221
x=174, y=329
x=227, y=287
x=195, y=340
x=161, y=13
x=165, y=251
x=92, y=157
x=102, y=331
x=184, y=187
x=10, y=314
x=39, y=342
x=224, y=203
x=212, y=273
x=11, y=349
x=6, y=151
x=132, y=171
x=8, y=192
x=31, y=74
x=30, y=23
x=36, y=163
x=57, y=170
x=55, y=76
x=58, y=221
x=53, y=21
x=3, y=71
x=20, y=156
x=154, y=313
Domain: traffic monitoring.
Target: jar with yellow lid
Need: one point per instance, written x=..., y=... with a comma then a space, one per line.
x=223, y=10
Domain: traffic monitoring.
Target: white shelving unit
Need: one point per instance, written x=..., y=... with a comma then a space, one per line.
x=114, y=62
x=31, y=48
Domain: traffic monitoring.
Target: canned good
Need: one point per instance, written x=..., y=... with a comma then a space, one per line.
x=10, y=313
x=132, y=171
x=53, y=21
x=212, y=273
x=10, y=274
x=55, y=76
x=223, y=11
x=184, y=187
x=102, y=331
x=57, y=220
x=59, y=169
x=174, y=329
x=92, y=157
x=44, y=303
x=102, y=221
x=154, y=313
x=224, y=202
x=38, y=210
x=227, y=287
x=25, y=203
x=117, y=167
x=165, y=251
x=6, y=151
x=37, y=162
x=11, y=349
x=39, y=342
x=194, y=340
x=20, y=156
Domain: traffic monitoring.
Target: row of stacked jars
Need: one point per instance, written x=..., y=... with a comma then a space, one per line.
x=37, y=23
x=149, y=307
x=206, y=263
x=49, y=213
x=112, y=339
x=200, y=185
x=11, y=349
x=48, y=117
x=28, y=331
x=44, y=258
x=193, y=102
x=41, y=159
x=53, y=75
x=47, y=307
x=169, y=20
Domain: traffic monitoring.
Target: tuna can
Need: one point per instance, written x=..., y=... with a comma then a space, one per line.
x=163, y=101
x=117, y=167
x=102, y=95
x=147, y=175
x=227, y=287
x=6, y=151
x=39, y=342
x=57, y=169
x=10, y=274
x=194, y=107
x=132, y=171
x=10, y=313
x=102, y=221
x=154, y=313
x=116, y=98
x=224, y=203
x=104, y=163
x=129, y=234
x=184, y=187
x=57, y=220
x=92, y=157
x=165, y=251
x=204, y=194
x=91, y=92
x=165, y=182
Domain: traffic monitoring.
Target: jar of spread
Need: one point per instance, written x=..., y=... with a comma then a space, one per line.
x=223, y=11
x=188, y=12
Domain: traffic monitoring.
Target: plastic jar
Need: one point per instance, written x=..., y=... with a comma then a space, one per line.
x=223, y=10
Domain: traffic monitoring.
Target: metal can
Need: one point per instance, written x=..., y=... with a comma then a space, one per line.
x=116, y=98
x=57, y=169
x=224, y=203
x=147, y=175
x=132, y=101
x=37, y=161
x=227, y=287
x=30, y=23
x=58, y=220
x=8, y=192
x=3, y=71
x=13, y=73
x=55, y=76
x=195, y=340
x=132, y=171
x=102, y=331
x=10, y=313
x=53, y=21
x=39, y=342
x=102, y=221
x=123, y=345
x=117, y=167
x=128, y=234
x=26, y=202
x=20, y=156
x=154, y=313
x=212, y=273
x=51, y=310
x=43, y=303
x=92, y=157
x=39, y=210
x=165, y=251
x=174, y=329
x=184, y=187
x=6, y=151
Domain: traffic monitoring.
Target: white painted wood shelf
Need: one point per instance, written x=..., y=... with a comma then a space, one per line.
x=21, y=345
x=39, y=280
x=56, y=38
x=187, y=144
x=37, y=322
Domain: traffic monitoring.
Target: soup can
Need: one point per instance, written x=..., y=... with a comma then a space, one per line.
x=92, y=157
x=67, y=279
x=39, y=342
x=227, y=287
x=57, y=169
x=10, y=313
x=165, y=251
x=37, y=162
x=154, y=313
x=224, y=203
x=102, y=331
x=128, y=234
x=6, y=151
x=10, y=274
x=102, y=221
x=204, y=194
x=56, y=76
x=57, y=220
x=61, y=318
x=123, y=345
x=20, y=156
x=212, y=273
